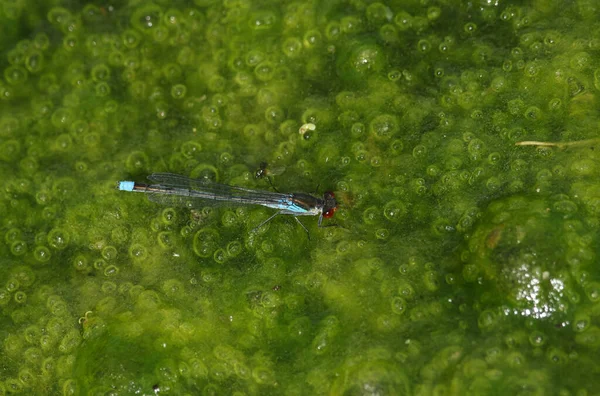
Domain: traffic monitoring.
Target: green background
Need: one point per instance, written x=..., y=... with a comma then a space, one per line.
x=461, y=263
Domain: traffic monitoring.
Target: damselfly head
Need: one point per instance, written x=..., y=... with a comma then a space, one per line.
x=329, y=205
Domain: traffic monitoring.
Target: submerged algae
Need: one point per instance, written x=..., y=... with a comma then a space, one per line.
x=462, y=263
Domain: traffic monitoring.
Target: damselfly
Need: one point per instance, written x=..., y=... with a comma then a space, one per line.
x=177, y=190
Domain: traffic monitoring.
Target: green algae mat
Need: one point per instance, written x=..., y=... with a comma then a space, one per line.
x=461, y=141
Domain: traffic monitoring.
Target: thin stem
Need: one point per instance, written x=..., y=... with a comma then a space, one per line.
x=560, y=145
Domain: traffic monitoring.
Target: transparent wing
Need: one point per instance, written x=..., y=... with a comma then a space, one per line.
x=177, y=181
x=191, y=190
x=275, y=170
x=176, y=200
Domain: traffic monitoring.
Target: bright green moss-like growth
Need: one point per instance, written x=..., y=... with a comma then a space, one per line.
x=460, y=142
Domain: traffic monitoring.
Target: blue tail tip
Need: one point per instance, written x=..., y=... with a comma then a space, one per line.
x=126, y=185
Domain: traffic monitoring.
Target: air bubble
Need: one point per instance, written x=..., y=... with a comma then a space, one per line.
x=384, y=126
x=15, y=75
x=34, y=62
x=395, y=210
x=470, y=28
x=537, y=339
x=20, y=297
x=399, y=305
x=292, y=47
x=18, y=248
x=205, y=242
x=234, y=248
x=382, y=233
x=178, y=91
x=138, y=251
x=58, y=239
x=592, y=291
x=42, y=254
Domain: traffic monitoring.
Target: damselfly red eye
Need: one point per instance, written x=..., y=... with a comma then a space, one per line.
x=329, y=213
x=330, y=205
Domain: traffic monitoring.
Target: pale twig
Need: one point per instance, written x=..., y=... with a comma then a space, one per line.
x=560, y=145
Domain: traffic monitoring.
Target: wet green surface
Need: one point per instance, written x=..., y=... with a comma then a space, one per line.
x=462, y=264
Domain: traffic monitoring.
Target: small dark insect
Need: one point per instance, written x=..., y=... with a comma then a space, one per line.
x=266, y=171
x=276, y=287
